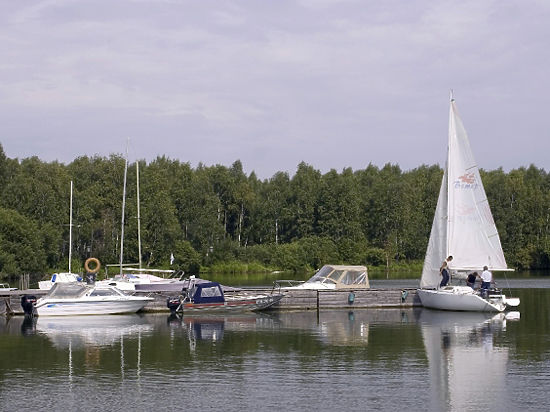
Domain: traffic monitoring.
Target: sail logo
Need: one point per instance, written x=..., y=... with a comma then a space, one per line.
x=466, y=181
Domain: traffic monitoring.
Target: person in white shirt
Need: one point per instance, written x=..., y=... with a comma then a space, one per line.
x=486, y=280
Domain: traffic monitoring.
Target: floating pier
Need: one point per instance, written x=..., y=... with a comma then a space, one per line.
x=294, y=299
x=300, y=299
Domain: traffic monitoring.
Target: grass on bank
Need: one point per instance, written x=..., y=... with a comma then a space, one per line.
x=396, y=271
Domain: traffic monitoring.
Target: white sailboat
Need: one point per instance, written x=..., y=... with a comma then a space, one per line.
x=139, y=279
x=64, y=276
x=463, y=227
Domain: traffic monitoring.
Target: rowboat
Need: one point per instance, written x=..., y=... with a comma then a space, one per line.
x=209, y=296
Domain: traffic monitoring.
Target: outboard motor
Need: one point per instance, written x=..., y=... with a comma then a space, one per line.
x=27, y=303
x=173, y=304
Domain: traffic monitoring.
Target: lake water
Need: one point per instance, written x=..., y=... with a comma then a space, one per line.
x=388, y=359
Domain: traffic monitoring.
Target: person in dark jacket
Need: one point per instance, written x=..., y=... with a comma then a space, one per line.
x=444, y=271
x=471, y=280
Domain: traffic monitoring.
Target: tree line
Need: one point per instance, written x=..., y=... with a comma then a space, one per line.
x=212, y=215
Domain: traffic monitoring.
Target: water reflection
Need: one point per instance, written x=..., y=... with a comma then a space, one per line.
x=211, y=327
x=384, y=359
x=89, y=331
x=467, y=370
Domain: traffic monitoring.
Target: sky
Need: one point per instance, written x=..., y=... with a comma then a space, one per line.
x=333, y=83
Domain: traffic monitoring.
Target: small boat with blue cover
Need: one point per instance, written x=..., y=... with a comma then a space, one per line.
x=209, y=296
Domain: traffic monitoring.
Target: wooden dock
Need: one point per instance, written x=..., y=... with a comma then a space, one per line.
x=10, y=302
x=296, y=299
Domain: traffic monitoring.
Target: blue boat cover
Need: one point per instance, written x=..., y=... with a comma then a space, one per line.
x=210, y=292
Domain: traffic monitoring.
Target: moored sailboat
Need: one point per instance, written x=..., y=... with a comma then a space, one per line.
x=463, y=226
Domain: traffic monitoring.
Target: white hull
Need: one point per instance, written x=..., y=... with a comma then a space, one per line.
x=90, y=307
x=460, y=298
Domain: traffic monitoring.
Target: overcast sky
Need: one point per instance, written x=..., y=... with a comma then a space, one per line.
x=334, y=83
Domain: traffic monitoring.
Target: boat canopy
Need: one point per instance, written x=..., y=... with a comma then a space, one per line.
x=210, y=292
x=341, y=276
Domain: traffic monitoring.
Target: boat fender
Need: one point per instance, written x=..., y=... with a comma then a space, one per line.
x=404, y=294
x=351, y=298
x=96, y=263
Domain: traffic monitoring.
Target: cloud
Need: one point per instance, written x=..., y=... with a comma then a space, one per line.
x=335, y=83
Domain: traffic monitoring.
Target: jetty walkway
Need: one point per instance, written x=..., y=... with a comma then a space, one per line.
x=294, y=299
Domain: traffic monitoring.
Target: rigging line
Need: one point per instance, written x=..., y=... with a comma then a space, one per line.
x=507, y=283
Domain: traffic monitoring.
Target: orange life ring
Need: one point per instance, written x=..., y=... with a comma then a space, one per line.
x=94, y=261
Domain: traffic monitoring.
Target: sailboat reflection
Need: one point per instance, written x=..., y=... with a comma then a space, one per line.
x=87, y=331
x=467, y=369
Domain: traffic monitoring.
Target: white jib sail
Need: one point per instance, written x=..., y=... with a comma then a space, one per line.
x=463, y=224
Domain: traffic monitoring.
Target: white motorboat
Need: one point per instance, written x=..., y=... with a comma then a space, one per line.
x=132, y=279
x=331, y=277
x=80, y=299
x=5, y=287
x=463, y=227
x=64, y=277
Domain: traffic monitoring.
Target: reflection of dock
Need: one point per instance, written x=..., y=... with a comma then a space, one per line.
x=293, y=300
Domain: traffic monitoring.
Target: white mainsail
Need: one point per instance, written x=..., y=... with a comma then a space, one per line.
x=463, y=225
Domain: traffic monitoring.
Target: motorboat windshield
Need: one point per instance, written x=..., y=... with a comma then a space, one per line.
x=341, y=276
x=77, y=290
x=67, y=290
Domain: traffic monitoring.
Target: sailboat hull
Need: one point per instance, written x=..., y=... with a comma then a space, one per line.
x=460, y=298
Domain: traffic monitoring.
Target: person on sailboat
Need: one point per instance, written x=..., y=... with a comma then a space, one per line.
x=486, y=279
x=471, y=279
x=444, y=272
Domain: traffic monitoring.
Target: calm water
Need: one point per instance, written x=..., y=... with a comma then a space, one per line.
x=387, y=359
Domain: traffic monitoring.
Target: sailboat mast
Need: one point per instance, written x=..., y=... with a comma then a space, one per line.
x=123, y=208
x=447, y=174
x=71, y=227
x=138, y=216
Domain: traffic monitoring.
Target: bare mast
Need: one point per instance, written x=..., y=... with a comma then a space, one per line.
x=138, y=216
x=123, y=208
x=71, y=228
